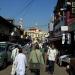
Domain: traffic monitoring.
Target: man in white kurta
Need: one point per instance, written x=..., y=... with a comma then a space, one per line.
x=21, y=63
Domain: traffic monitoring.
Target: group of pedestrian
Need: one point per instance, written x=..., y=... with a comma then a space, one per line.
x=34, y=61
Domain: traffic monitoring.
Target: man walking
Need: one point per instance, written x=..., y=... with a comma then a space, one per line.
x=21, y=63
x=52, y=52
x=15, y=51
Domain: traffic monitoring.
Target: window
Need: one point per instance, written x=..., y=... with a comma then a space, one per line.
x=73, y=7
x=73, y=4
x=73, y=10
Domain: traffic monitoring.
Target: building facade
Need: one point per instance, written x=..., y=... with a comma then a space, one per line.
x=9, y=31
x=36, y=34
x=64, y=15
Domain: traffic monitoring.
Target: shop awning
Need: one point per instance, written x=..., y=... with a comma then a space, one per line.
x=55, y=38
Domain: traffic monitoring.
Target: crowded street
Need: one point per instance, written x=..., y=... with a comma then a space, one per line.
x=37, y=37
x=58, y=71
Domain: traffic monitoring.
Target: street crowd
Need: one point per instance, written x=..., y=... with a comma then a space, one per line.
x=39, y=54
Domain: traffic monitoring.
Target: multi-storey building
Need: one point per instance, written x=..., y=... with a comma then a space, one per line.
x=64, y=15
x=36, y=33
x=9, y=31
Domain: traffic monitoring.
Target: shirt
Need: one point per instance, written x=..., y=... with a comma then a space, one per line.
x=21, y=63
x=52, y=54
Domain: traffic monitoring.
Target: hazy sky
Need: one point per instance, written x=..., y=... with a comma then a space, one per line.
x=33, y=12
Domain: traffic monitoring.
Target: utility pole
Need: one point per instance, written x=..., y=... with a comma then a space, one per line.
x=0, y=10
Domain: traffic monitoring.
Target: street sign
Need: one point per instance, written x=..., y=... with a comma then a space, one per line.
x=64, y=28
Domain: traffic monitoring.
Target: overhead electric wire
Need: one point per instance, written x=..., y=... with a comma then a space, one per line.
x=22, y=5
x=35, y=25
x=26, y=1
x=26, y=6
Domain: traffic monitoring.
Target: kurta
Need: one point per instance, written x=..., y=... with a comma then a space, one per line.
x=33, y=58
x=20, y=62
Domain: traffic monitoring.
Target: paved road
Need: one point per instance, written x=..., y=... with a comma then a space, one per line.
x=58, y=71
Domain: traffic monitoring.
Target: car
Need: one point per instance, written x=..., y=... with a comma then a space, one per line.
x=5, y=53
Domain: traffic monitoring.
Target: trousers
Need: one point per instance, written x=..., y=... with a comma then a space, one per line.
x=51, y=66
